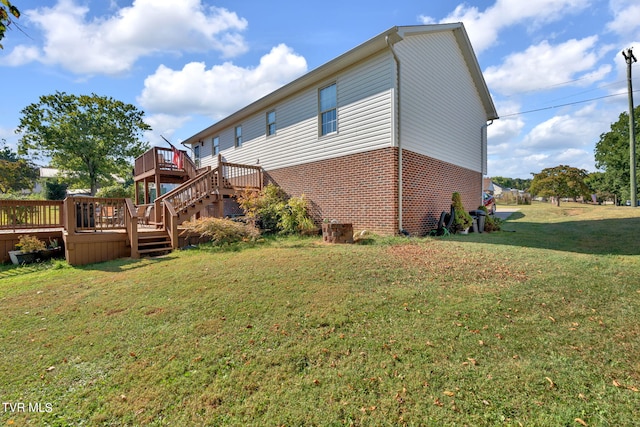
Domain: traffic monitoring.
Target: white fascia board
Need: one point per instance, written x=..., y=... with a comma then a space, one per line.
x=366, y=49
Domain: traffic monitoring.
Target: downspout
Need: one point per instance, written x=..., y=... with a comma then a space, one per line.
x=397, y=134
x=485, y=148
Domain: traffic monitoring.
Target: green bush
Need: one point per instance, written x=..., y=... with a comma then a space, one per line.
x=462, y=220
x=222, y=231
x=116, y=191
x=294, y=218
x=272, y=211
x=55, y=190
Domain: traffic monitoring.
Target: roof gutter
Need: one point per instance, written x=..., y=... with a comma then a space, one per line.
x=398, y=140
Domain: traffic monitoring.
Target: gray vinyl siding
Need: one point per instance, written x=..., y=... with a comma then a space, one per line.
x=442, y=115
x=365, y=106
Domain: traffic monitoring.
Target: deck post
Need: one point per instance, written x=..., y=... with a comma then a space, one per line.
x=69, y=215
x=220, y=207
x=131, y=223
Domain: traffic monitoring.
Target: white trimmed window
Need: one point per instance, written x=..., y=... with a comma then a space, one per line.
x=271, y=123
x=196, y=154
x=216, y=145
x=328, y=102
x=238, y=138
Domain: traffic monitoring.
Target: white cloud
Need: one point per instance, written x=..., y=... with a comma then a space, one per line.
x=576, y=130
x=222, y=89
x=111, y=45
x=483, y=27
x=567, y=138
x=542, y=66
x=163, y=125
x=625, y=22
x=506, y=129
x=21, y=55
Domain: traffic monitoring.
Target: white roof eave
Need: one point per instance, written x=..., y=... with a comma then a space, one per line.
x=359, y=53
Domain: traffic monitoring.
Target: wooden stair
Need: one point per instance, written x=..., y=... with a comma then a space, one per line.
x=153, y=243
x=195, y=206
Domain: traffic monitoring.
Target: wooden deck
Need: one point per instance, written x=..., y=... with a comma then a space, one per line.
x=97, y=229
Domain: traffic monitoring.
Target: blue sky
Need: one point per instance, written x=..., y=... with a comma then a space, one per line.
x=190, y=63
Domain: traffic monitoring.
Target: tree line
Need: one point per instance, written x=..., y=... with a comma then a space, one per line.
x=610, y=183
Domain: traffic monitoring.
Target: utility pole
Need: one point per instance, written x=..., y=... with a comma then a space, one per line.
x=630, y=59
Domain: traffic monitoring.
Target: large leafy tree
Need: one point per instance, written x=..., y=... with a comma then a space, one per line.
x=16, y=173
x=7, y=13
x=612, y=155
x=89, y=138
x=560, y=181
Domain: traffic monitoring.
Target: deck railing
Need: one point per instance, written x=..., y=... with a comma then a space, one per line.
x=161, y=159
x=240, y=176
x=94, y=214
x=31, y=214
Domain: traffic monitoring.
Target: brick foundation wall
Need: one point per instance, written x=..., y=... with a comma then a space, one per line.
x=360, y=189
x=427, y=188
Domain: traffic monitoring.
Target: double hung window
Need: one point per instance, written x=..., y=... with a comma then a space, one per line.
x=328, y=102
x=238, y=137
x=216, y=145
x=271, y=123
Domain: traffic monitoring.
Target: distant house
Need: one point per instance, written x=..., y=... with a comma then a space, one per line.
x=380, y=136
x=47, y=173
x=488, y=186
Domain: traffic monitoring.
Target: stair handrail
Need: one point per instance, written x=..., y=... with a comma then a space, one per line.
x=186, y=194
x=131, y=224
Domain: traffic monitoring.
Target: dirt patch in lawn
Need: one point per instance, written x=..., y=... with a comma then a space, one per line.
x=450, y=263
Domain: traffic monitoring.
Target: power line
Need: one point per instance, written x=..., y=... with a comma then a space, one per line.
x=564, y=105
x=565, y=83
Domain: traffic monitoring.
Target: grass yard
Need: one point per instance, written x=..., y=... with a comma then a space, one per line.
x=538, y=325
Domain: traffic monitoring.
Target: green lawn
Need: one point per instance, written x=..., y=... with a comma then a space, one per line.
x=538, y=325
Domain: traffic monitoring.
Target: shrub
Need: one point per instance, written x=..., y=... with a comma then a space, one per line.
x=116, y=191
x=463, y=220
x=28, y=243
x=271, y=211
x=294, y=218
x=222, y=231
x=55, y=190
x=264, y=208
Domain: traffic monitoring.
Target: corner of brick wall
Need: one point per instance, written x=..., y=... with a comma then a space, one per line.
x=427, y=188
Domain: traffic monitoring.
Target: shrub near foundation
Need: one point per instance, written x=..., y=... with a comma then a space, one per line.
x=463, y=220
x=274, y=212
x=28, y=243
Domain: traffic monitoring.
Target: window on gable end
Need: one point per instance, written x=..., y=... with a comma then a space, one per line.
x=215, y=145
x=238, y=138
x=271, y=123
x=328, y=103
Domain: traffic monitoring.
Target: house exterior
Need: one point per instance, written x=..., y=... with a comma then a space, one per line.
x=489, y=186
x=379, y=137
